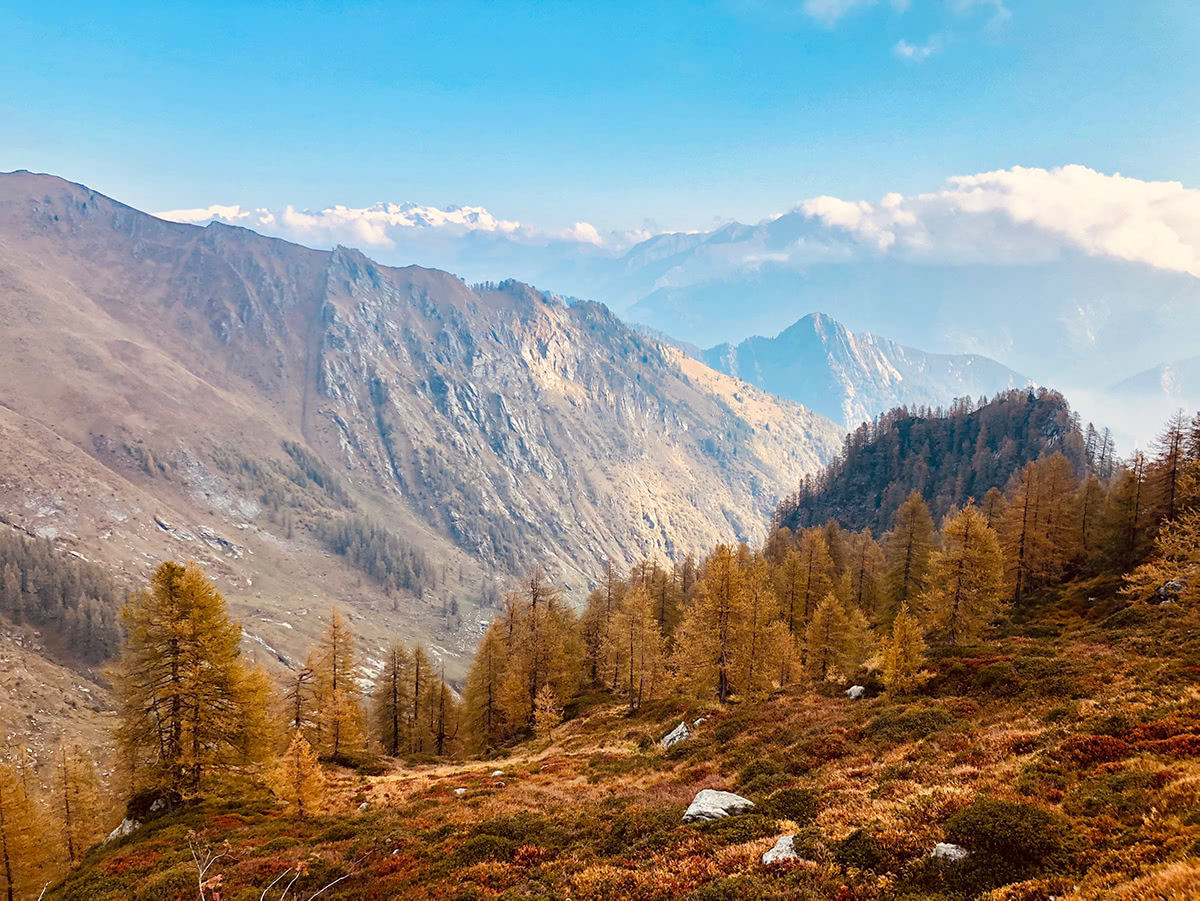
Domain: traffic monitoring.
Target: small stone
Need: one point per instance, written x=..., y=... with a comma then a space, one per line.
x=710, y=804
x=125, y=827
x=496, y=773
x=948, y=851
x=363, y=806
x=855, y=692
x=784, y=850
x=679, y=734
x=460, y=791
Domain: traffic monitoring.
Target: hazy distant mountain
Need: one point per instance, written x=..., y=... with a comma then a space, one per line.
x=1178, y=382
x=851, y=377
x=168, y=390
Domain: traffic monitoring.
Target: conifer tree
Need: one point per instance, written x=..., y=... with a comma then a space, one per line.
x=754, y=674
x=909, y=548
x=866, y=569
x=391, y=701
x=179, y=683
x=599, y=639
x=335, y=671
x=78, y=802
x=967, y=576
x=708, y=642
x=421, y=678
x=297, y=779
x=836, y=638
x=817, y=576
x=23, y=838
x=486, y=725
x=903, y=653
x=547, y=713
x=642, y=646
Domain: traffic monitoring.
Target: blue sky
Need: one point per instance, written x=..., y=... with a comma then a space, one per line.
x=672, y=115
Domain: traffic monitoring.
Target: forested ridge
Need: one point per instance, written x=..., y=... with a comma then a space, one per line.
x=1021, y=658
x=946, y=455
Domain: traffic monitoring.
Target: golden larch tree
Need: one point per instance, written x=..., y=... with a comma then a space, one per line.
x=335, y=670
x=297, y=778
x=968, y=573
x=180, y=684
x=390, y=701
x=78, y=802
x=909, y=548
x=903, y=653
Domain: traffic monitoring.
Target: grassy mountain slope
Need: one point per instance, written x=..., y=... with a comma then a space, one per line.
x=1082, y=715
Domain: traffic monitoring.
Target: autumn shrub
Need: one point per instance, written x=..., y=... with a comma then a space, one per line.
x=1125, y=796
x=479, y=848
x=909, y=725
x=1009, y=841
x=862, y=850
x=999, y=680
x=167, y=885
x=1089, y=750
x=738, y=829
x=1176, y=746
x=796, y=804
x=642, y=828
x=733, y=888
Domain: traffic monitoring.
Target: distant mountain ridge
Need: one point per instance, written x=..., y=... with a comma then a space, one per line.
x=852, y=377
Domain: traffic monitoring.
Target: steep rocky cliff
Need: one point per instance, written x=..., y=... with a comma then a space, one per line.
x=169, y=390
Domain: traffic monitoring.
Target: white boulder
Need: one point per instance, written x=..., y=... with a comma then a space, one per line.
x=855, y=692
x=124, y=828
x=675, y=736
x=949, y=852
x=710, y=804
x=496, y=773
x=783, y=851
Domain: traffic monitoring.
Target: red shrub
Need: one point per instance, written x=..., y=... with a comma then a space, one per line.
x=1088, y=750
x=137, y=859
x=1177, y=746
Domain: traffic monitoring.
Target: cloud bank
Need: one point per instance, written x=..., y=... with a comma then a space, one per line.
x=1022, y=215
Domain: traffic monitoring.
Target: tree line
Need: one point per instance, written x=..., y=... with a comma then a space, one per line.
x=815, y=603
x=947, y=455
x=67, y=595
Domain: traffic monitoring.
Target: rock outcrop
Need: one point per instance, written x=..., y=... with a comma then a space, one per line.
x=711, y=804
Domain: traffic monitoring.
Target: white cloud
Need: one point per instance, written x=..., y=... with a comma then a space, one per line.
x=918, y=53
x=830, y=12
x=1022, y=215
x=389, y=225
x=1000, y=13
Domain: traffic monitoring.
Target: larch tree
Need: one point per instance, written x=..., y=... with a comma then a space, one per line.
x=297, y=778
x=909, y=548
x=298, y=699
x=23, y=838
x=485, y=722
x=599, y=638
x=817, y=576
x=547, y=712
x=968, y=571
x=754, y=674
x=77, y=801
x=180, y=686
x=421, y=680
x=865, y=572
x=642, y=645
x=1169, y=465
x=335, y=677
x=903, y=653
x=708, y=642
x=390, y=701
x=836, y=638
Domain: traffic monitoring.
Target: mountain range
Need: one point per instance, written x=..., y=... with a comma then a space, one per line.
x=855, y=377
x=1076, y=278
x=318, y=428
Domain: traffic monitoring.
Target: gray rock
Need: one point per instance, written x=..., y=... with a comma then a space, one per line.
x=1168, y=592
x=676, y=735
x=783, y=851
x=710, y=804
x=124, y=828
x=363, y=806
x=948, y=852
x=460, y=791
x=855, y=692
x=496, y=773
